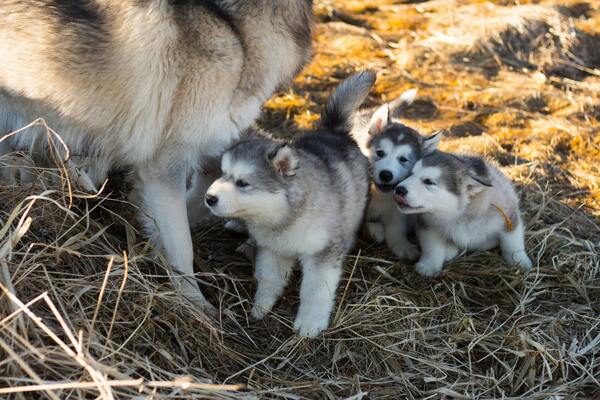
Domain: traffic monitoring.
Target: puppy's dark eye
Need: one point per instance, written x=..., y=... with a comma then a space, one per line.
x=428, y=182
x=403, y=159
x=241, y=183
x=380, y=153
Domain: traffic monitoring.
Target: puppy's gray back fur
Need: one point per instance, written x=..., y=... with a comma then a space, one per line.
x=330, y=186
x=336, y=173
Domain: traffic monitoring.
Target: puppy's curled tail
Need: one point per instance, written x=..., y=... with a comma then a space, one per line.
x=345, y=100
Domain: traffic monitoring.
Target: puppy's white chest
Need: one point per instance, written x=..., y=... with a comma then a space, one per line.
x=474, y=234
x=297, y=239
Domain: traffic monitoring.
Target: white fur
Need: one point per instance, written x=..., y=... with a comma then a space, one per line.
x=300, y=205
x=384, y=222
x=156, y=193
x=295, y=239
x=436, y=250
x=278, y=250
x=391, y=160
x=272, y=274
x=235, y=202
x=382, y=116
x=392, y=226
x=459, y=222
x=513, y=248
x=154, y=103
x=317, y=295
x=379, y=120
x=235, y=226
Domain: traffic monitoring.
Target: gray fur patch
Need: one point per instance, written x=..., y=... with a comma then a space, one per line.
x=453, y=169
x=399, y=134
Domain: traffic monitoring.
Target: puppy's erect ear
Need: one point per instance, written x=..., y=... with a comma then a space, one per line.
x=477, y=176
x=402, y=101
x=430, y=143
x=284, y=160
x=383, y=116
x=379, y=120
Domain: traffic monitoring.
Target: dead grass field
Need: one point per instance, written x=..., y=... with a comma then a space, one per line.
x=518, y=81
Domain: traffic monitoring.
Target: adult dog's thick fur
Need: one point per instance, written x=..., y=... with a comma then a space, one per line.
x=155, y=85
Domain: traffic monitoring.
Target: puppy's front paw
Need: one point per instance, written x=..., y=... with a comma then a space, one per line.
x=259, y=311
x=428, y=269
x=310, y=325
x=235, y=226
x=247, y=249
x=406, y=251
x=376, y=231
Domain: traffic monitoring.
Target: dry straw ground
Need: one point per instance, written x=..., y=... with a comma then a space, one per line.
x=517, y=82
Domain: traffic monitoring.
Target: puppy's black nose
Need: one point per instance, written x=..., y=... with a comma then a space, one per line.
x=401, y=190
x=386, y=176
x=211, y=200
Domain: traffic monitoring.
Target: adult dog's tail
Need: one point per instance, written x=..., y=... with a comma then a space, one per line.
x=343, y=103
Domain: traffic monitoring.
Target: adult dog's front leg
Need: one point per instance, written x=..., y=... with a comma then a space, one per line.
x=163, y=197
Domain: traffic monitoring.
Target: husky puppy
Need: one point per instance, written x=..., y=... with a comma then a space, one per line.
x=155, y=86
x=393, y=149
x=462, y=202
x=303, y=200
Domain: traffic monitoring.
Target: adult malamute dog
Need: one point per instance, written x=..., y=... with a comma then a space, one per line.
x=300, y=200
x=157, y=85
x=393, y=149
x=462, y=202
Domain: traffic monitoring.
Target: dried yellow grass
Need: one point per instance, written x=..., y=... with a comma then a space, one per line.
x=87, y=312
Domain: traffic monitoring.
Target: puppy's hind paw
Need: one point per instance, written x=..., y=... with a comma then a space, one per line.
x=406, y=251
x=429, y=270
x=521, y=260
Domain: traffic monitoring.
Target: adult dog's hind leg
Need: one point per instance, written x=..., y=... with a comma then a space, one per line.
x=163, y=197
x=8, y=173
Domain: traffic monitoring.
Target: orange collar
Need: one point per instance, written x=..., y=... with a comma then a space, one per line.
x=507, y=221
